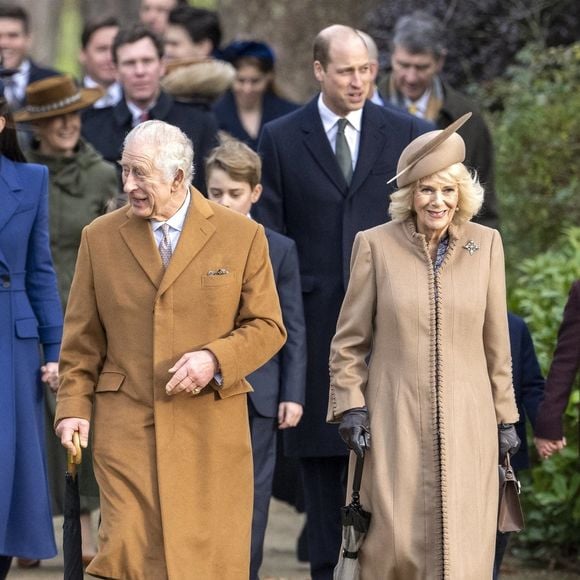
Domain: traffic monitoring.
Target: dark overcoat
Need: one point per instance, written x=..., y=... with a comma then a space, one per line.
x=30, y=313
x=105, y=129
x=307, y=198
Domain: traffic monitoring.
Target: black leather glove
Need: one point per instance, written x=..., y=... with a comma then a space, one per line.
x=355, y=430
x=509, y=442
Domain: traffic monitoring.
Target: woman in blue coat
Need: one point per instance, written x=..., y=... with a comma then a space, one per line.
x=30, y=316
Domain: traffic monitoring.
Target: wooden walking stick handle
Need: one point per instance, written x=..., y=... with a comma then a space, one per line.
x=74, y=460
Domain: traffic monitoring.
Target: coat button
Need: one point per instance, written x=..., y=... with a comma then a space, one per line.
x=5, y=281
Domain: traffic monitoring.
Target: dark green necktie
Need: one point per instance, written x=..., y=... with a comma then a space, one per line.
x=343, y=155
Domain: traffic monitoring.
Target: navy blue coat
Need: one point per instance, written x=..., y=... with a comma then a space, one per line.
x=226, y=113
x=283, y=378
x=528, y=383
x=30, y=313
x=307, y=198
x=105, y=129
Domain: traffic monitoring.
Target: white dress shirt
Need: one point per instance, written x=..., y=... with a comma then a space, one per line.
x=111, y=97
x=15, y=85
x=351, y=131
x=420, y=105
x=136, y=112
x=175, y=223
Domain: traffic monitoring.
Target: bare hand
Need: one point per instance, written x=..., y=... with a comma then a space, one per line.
x=547, y=447
x=193, y=371
x=289, y=414
x=50, y=375
x=65, y=429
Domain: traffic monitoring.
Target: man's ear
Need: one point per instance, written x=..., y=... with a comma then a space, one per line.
x=318, y=71
x=256, y=193
x=178, y=180
x=441, y=61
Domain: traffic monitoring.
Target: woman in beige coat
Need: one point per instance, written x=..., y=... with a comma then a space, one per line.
x=421, y=360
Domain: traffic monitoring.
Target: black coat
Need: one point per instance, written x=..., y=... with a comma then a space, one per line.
x=307, y=198
x=106, y=129
x=226, y=112
x=283, y=377
x=528, y=383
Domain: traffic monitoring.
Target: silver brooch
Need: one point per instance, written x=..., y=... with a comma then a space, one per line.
x=471, y=247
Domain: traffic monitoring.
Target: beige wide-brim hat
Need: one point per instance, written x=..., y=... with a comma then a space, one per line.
x=430, y=153
x=55, y=96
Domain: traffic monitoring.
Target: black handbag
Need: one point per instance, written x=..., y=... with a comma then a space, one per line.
x=510, y=515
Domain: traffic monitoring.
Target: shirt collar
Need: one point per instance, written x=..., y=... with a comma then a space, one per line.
x=177, y=220
x=329, y=118
x=421, y=103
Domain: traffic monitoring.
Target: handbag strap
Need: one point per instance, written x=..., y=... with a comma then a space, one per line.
x=358, y=471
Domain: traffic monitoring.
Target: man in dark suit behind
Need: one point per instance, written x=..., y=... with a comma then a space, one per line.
x=325, y=172
x=15, y=45
x=138, y=53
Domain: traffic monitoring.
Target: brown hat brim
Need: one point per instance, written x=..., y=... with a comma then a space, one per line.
x=86, y=98
x=431, y=145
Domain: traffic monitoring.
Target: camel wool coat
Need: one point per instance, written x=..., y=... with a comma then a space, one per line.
x=428, y=354
x=174, y=472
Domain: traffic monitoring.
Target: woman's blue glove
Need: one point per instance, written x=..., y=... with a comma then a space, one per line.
x=355, y=430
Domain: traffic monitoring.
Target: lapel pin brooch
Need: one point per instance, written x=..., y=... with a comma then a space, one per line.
x=471, y=247
x=220, y=272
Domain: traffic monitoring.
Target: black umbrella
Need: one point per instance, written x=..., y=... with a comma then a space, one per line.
x=71, y=529
x=355, y=525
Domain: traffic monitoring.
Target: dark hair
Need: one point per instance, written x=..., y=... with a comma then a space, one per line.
x=134, y=34
x=420, y=33
x=9, y=146
x=321, y=49
x=200, y=24
x=16, y=12
x=92, y=26
x=253, y=52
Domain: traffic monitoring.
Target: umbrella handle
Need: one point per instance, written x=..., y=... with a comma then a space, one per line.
x=358, y=471
x=73, y=460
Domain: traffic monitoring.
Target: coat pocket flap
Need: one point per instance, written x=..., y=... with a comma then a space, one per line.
x=109, y=381
x=26, y=328
x=238, y=389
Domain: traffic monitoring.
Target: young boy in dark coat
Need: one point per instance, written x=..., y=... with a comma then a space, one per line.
x=233, y=173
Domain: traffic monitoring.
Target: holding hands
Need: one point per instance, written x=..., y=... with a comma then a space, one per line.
x=547, y=447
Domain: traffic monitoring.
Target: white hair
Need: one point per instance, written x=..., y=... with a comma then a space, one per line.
x=173, y=148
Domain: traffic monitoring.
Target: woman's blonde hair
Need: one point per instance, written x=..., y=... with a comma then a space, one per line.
x=470, y=194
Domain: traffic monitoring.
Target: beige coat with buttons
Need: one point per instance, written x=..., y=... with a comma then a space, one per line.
x=435, y=375
x=175, y=472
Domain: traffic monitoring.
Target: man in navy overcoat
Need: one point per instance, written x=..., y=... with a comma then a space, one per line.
x=321, y=199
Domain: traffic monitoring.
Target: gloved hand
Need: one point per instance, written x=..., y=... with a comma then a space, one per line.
x=509, y=442
x=355, y=430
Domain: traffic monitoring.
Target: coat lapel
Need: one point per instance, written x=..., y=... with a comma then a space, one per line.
x=9, y=187
x=317, y=143
x=373, y=135
x=197, y=230
x=139, y=238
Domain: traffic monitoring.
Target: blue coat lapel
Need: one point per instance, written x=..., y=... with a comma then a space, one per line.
x=10, y=185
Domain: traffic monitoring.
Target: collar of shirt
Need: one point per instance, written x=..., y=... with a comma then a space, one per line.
x=175, y=223
x=17, y=83
x=112, y=94
x=136, y=112
x=420, y=105
x=352, y=131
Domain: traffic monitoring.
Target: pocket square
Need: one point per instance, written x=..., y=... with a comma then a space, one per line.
x=219, y=272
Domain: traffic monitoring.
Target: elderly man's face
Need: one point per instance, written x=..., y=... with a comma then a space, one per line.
x=413, y=73
x=346, y=81
x=149, y=193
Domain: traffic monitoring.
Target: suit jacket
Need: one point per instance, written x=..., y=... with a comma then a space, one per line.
x=226, y=112
x=283, y=377
x=37, y=73
x=528, y=384
x=105, y=129
x=307, y=198
x=30, y=314
x=563, y=370
x=176, y=467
